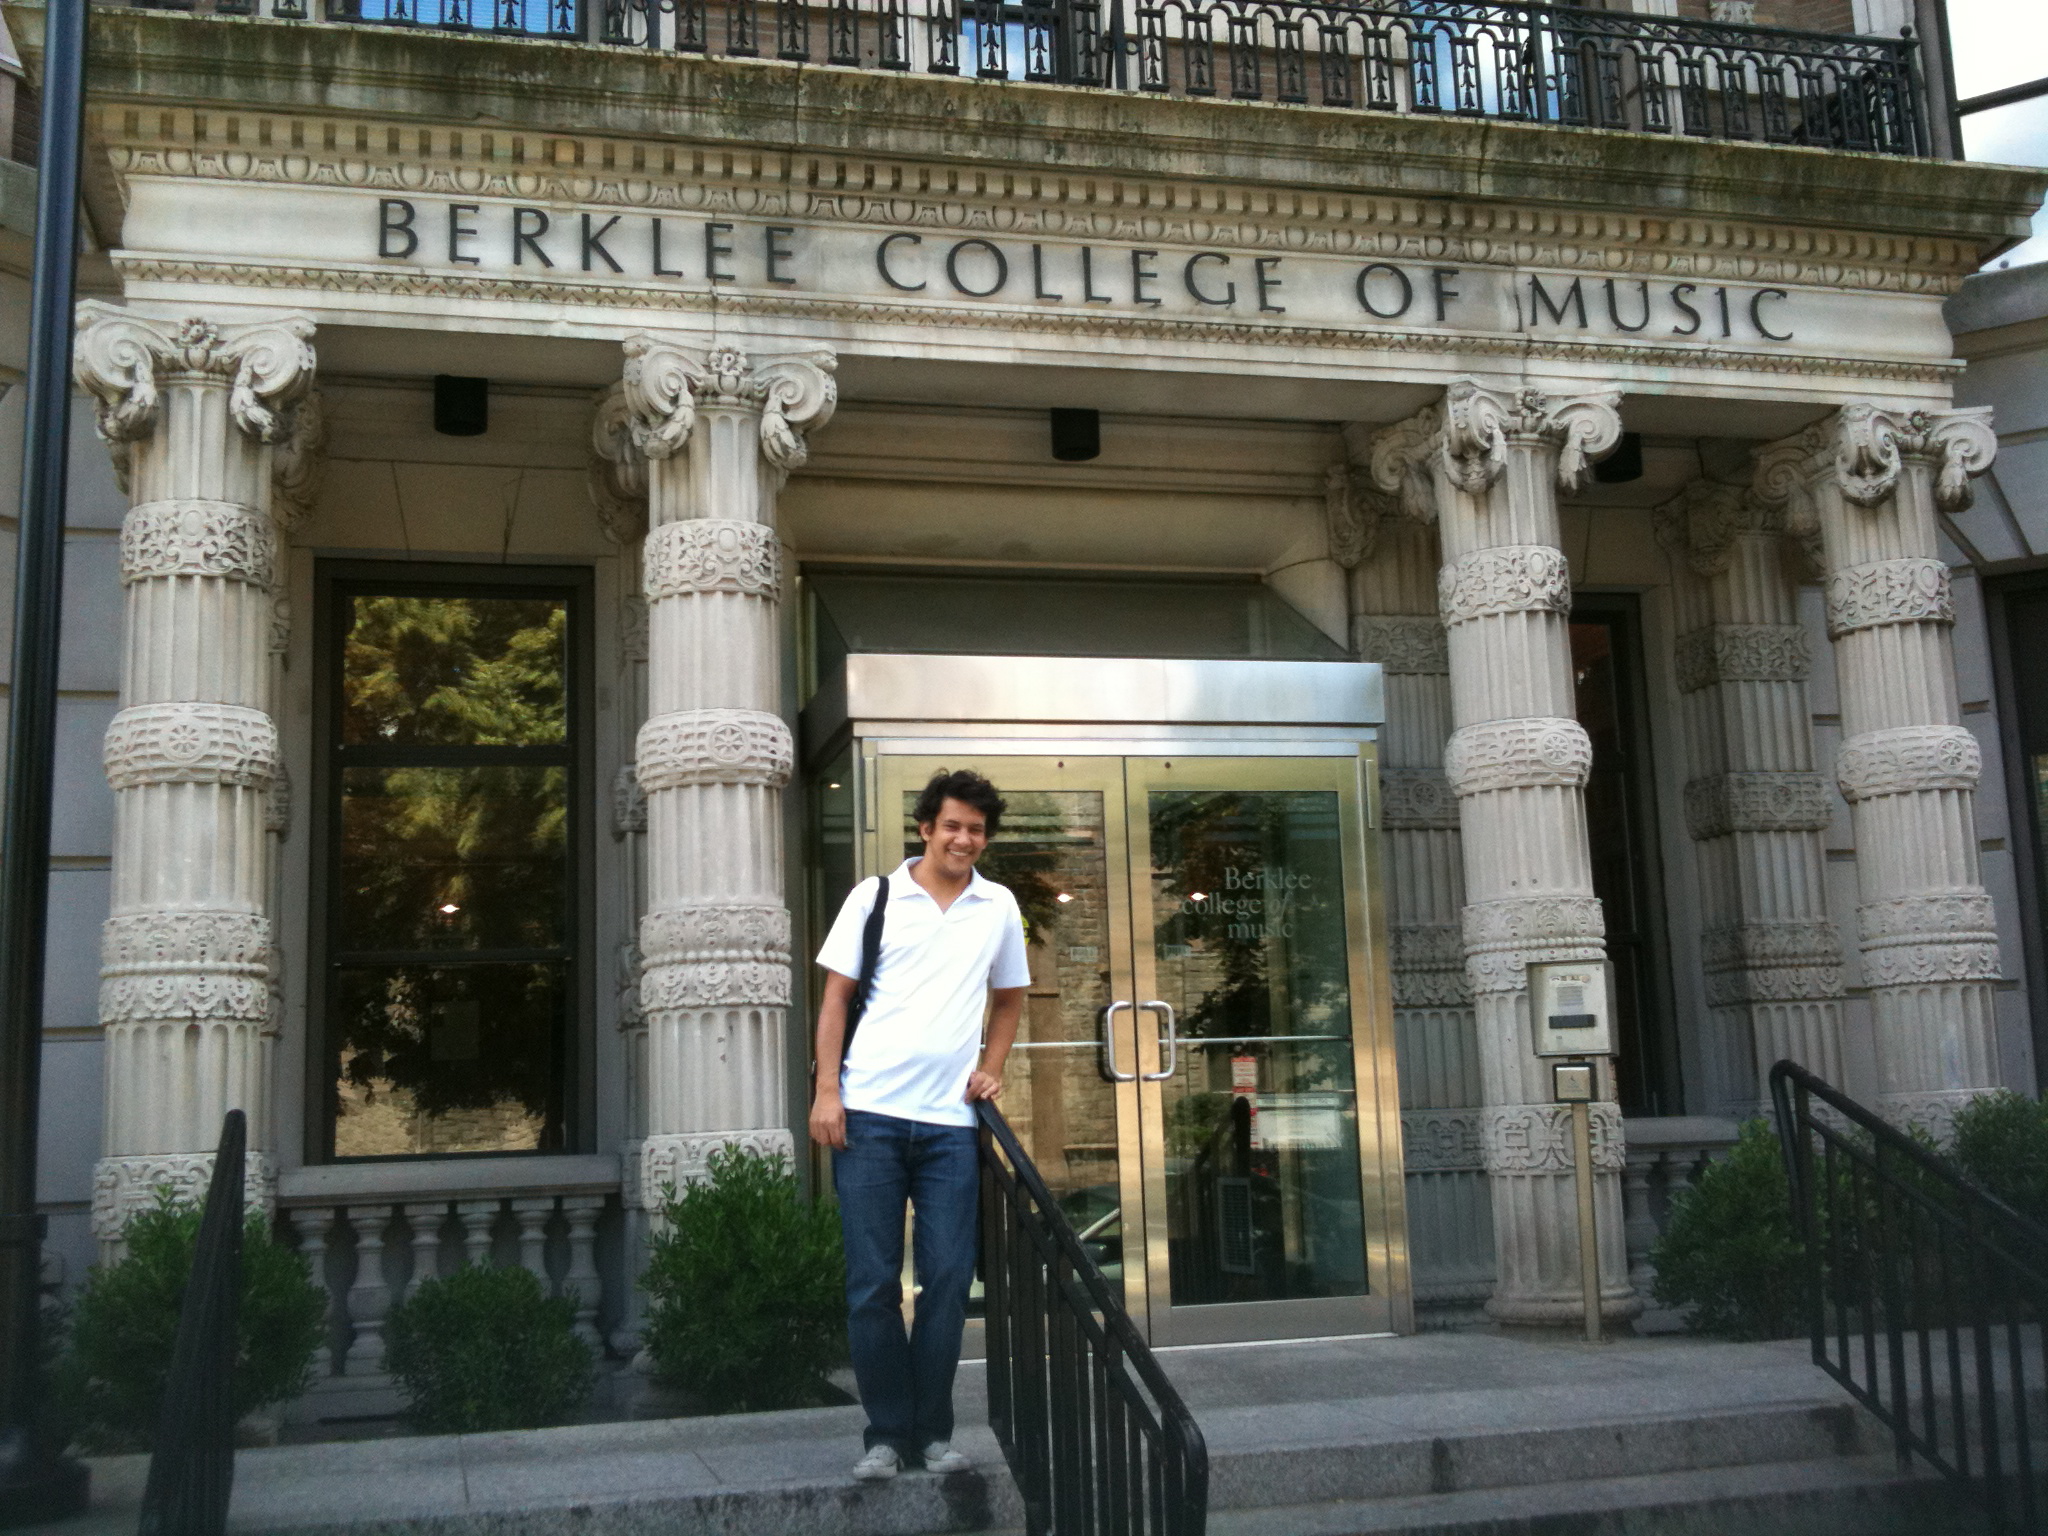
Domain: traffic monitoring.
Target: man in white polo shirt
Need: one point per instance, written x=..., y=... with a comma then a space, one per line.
x=898, y=1112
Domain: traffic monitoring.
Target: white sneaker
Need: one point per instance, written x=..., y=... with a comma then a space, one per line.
x=879, y=1465
x=940, y=1456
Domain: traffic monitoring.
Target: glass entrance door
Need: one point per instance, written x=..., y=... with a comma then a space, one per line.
x=1205, y=1071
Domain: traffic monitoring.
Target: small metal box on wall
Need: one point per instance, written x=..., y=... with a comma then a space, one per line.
x=1569, y=1008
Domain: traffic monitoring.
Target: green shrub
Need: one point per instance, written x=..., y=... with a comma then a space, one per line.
x=747, y=1288
x=1728, y=1251
x=487, y=1348
x=124, y=1325
x=2001, y=1143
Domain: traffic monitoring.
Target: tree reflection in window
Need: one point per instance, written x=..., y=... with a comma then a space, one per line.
x=452, y=903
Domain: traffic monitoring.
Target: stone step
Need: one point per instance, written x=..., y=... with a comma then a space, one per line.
x=1838, y=1496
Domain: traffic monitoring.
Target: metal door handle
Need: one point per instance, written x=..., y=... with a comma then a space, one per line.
x=1108, y=1020
x=1165, y=1011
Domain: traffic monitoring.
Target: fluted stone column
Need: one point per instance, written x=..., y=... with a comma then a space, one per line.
x=1869, y=482
x=1755, y=805
x=1391, y=549
x=718, y=432
x=193, y=410
x=1492, y=463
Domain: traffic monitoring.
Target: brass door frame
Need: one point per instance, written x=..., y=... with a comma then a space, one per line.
x=886, y=768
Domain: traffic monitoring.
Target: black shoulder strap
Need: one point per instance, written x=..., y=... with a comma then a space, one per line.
x=870, y=962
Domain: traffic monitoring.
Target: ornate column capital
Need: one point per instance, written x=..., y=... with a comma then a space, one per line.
x=666, y=383
x=1401, y=461
x=121, y=360
x=1479, y=423
x=618, y=469
x=1864, y=447
x=1353, y=510
x=1702, y=522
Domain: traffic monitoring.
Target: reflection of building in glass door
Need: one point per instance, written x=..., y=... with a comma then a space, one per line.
x=1259, y=1097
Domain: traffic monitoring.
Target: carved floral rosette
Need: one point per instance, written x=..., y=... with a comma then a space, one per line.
x=189, y=537
x=124, y=1186
x=712, y=555
x=1518, y=754
x=1724, y=803
x=1417, y=800
x=674, y=1159
x=714, y=746
x=191, y=744
x=1742, y=653
x=1537, y=1138
x=1889, y=592
x=1402, y=644
x=1509, y=578
x=1908, y=760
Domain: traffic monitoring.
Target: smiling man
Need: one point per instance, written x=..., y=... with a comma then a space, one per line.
x=897, y=1109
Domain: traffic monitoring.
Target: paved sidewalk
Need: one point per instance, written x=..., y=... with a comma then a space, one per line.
x=1283, y=1420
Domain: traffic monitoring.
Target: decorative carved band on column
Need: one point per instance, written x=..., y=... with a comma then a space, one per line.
x=1428, y=961
x=1723, y=803
x=191, y=744
x=185, y=965
x=124, y=1186
x=187, y=537
x=1417, y=800
x=712, y=555
x=1504, y=937
x=715, y=954
x=1537, y=1138
x=714, y=746
x=1908, y=760
x=676, y=1158
x=1518, y=754
x=1889, y=592
x=1742, y=653
x=1403, y=646
x=1511, y=578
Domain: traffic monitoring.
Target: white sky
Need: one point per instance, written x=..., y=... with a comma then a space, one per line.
x=1999, y=43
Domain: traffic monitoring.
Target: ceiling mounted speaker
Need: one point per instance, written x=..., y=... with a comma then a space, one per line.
x=1624, y=464
x=1076, y=434
x=462, y=406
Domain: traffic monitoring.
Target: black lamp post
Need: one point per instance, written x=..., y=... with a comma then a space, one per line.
x=36, y=1482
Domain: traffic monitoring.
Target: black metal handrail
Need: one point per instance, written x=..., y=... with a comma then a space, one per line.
x=1096, y=1436
x=1500, y=59
x=192, y=1463
x=1925, y=1295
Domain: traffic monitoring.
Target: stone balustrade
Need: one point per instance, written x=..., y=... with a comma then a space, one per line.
x=1665, y=1154
x=373, y=1232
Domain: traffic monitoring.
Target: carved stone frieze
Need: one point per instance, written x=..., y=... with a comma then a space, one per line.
x=1533, y=922
x=723, y=932
x=198, y=538
x=714, y=746
x=125, y=1186
x=1889, y=592
x=1417, y=799
x=1907, y=760
x=1758, y=945
x=121, y=360
x=1725, y=803
x=1537, y=1138
x=712, y=555
x=1414, y=645
x=1517, y=754
x=1742, y=653
x=1441, y=1140
x=629, y=802
x=666, y=988
x=1914, y=965
x=1511, y=578
x=1426, y=946
x=1947, y=915
x=1773, y=984
x=191, y=744
x=672, y=1160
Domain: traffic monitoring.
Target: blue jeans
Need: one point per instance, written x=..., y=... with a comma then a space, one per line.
x=906, y=1382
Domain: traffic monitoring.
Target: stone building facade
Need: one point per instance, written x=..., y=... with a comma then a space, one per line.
x=470, y=783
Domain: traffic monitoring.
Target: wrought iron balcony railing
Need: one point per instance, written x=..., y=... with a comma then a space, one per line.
x=1468, y=58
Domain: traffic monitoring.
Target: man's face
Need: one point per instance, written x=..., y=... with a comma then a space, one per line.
x=955, y=839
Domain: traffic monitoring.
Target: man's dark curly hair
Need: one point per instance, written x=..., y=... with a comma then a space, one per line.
x=966, y=786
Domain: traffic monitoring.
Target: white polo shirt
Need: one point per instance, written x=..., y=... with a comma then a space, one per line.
x=921, y=1034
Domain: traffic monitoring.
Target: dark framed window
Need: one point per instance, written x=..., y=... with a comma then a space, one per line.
x=2019, y=639
x=1621, y=832
x=451, y=866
